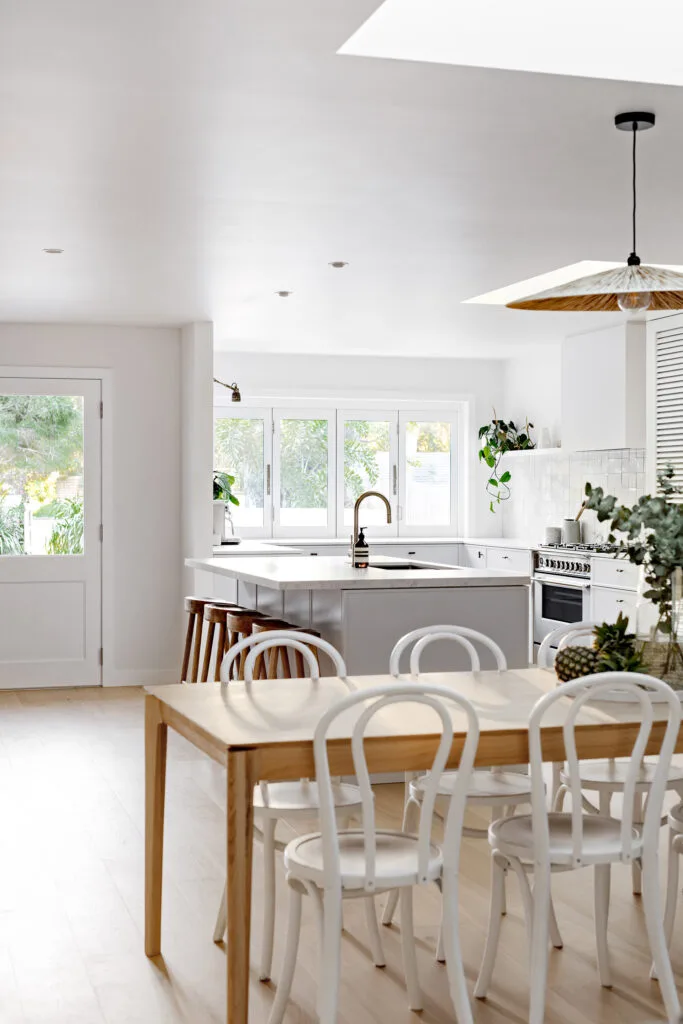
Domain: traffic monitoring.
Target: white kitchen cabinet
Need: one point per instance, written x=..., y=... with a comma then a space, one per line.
x=603, y=389
x=474, y=556
x=607, y=602
x=512, y=559
x=611, y=572
x=324, y=550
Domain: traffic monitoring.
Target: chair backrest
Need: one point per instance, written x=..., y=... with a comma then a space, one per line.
x=442, y=700
x=636, y=688
x=462, y=635
x=567, y=633
x=257, y=643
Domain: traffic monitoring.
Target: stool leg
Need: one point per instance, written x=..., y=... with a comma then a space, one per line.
x=188, y=647
x=197, y=648
x=220, y=650
x=272, y=663
x=284, y=657
x=243, y=659
x=232, y=640
x=207, y=652
x=299, y=663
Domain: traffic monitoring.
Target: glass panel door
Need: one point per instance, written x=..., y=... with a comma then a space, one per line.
x=50, y=532
x=367, y=459
x=427, y=473
x=303, y=451
x=242, y=447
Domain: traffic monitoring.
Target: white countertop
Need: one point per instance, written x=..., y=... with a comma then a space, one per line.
x=282, y=543
x=323, y=573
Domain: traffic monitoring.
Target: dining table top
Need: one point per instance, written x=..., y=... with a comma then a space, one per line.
x=277, y=713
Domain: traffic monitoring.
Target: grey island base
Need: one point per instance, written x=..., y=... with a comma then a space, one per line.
x=363, y=612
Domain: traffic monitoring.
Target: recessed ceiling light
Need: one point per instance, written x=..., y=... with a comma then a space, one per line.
x=283, y=294
x=338, y=264
x=53, y=252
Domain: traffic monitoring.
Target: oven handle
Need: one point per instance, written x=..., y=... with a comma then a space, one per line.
x=562, y=581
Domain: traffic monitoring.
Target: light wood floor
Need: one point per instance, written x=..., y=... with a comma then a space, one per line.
x=71, y=882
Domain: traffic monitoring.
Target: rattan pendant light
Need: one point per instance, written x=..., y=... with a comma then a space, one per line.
x=632, y=288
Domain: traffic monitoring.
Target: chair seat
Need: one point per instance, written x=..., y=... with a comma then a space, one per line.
x=485, y=787
x=395, y=866
x=301, y=797
x=601, y=838
x=611, y=775
x=396, y=859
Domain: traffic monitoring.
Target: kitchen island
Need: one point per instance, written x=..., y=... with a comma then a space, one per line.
x=363, y=612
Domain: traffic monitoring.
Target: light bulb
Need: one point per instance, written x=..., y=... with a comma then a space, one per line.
x=634, y=302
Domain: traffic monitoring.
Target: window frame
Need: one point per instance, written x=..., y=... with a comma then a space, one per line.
x=429, y=415
x=374, y=415
x=307, y=412
x=253, y=412
x=398, y=413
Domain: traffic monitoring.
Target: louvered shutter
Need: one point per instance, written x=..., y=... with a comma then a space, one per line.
x=669, y=402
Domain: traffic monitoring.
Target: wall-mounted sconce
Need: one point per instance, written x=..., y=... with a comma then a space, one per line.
x=236, y=396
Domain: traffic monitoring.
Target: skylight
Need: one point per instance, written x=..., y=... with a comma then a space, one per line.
x=587, y=38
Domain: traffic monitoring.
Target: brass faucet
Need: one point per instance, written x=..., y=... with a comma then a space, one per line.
x=356, y=508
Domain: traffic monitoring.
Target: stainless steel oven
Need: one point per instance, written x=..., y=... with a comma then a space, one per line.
x=561, y=591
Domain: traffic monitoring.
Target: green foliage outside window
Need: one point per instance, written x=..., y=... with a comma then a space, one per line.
x=11, y=528
x=67, y=533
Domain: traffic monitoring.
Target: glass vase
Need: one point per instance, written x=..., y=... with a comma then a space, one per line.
x=660, y=630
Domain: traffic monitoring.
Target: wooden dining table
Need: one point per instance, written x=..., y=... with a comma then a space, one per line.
x=264, y=731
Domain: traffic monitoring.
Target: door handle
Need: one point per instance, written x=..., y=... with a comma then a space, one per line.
x=395, y=479
x=268, y=479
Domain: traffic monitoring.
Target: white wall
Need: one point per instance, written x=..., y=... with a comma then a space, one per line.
x=141, y=431
x=196, y=404
x=478, y=381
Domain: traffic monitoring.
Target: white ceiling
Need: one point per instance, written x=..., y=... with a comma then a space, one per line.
x=194, y=156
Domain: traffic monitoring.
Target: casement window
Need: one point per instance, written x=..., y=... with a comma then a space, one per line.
x=298, y=471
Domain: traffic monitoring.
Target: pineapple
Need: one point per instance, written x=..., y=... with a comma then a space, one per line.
x=613, y=650
x=572, y=662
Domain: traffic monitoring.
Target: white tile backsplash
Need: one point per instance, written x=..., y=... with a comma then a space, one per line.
x=548, y=485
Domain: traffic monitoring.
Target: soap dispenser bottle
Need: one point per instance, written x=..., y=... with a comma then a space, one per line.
x=361, y=551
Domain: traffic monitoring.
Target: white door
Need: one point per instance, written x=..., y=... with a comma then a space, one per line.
x=50, y=532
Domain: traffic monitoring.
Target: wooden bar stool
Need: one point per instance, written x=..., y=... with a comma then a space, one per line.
x=298, y=656
x=194, y=606
x=239, y=625
x=275, y=653
x=216, y=615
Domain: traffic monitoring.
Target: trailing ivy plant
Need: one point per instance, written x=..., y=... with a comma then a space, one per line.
x=653, y=530
x=496, y=438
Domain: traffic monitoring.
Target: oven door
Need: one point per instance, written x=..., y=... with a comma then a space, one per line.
x=558, y=600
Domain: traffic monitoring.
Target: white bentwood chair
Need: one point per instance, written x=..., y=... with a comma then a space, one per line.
x=289, y=801
x=541, y=842
x=605, y=778
x=493, y=788
x=331, y=866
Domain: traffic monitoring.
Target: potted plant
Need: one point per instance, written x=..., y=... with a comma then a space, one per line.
x=496, y=438
x=653, y=530
x=223, y=498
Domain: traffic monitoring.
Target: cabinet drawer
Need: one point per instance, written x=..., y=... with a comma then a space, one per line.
x=512, y=559
x=614, y=572
x=607, y=602
x=474, y=556
x=446, y=554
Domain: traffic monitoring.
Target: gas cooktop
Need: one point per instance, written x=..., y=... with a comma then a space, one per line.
x=598, y=549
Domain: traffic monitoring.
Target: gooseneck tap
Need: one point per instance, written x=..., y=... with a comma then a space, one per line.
x=358, y=562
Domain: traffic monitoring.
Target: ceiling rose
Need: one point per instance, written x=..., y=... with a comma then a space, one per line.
x=633, y=288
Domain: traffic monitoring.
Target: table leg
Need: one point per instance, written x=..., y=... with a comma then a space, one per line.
x=156, y=736
x=242, y=776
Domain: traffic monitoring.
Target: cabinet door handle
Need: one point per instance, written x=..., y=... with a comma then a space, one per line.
x=620, y=600
x=268, y=479
x=620, y=570
x=412, y=552
x=395, y=479
x=506, y=558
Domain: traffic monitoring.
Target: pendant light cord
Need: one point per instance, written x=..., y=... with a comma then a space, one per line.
x=635, y=132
